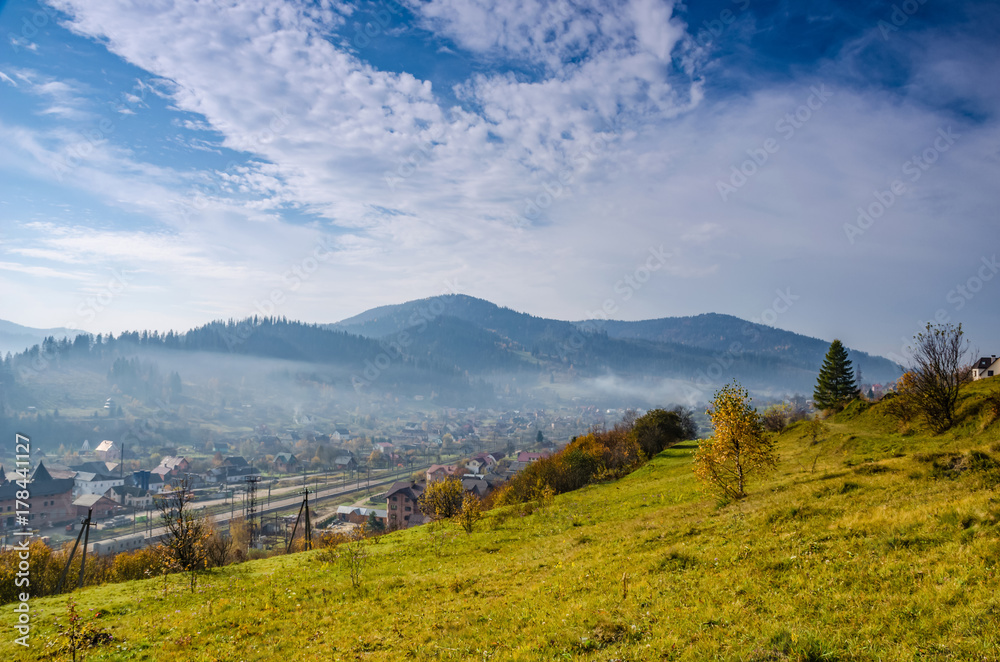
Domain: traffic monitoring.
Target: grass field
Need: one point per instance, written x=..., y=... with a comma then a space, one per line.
x=866, y=544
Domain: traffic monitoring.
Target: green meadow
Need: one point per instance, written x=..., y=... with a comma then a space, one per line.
x=867, y=543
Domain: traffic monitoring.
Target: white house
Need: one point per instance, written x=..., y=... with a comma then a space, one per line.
x=87, y=482
x=986, y=367
x=476, y=465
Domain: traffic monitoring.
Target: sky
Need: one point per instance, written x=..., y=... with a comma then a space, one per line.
x=830, y=168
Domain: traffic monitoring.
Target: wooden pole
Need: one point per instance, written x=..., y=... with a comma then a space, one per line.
x=308, y=539
x=86, y=537
x=291, y=539
x=65, y=571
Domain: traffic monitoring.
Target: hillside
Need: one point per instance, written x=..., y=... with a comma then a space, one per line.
x=866, y=544
x=459, y=351
x=16, y=338
x=717, y=332
x=691, y=349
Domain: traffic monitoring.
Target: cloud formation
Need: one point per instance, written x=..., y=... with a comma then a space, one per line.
x=572, y=138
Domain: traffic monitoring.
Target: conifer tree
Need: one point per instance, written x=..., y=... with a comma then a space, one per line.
x=835, y=386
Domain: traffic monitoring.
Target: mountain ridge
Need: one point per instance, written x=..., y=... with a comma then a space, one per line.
x=458, y=343
x=727, y=337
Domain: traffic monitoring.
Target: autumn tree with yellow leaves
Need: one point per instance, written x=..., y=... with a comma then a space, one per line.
x=739, y=450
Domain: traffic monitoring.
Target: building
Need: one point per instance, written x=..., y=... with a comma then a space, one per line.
x=97, y=467
x=235, y=461
x=286, y=463
x=232, y=470
x=986, y=367
x=156, y=484
x=478, y=486
x=403, y=504
x=345, y=463
x=87, y=482
x=50, y=501
x=132, y=497
x=170, y=466
x=476, y=465
x=100, y=505
x=175, y=465
x=107, y=451
x=528, y=457
x=438, y=472
x=480, y=463
x=359, y=515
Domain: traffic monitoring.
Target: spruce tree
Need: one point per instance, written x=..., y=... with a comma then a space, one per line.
x=835, y=385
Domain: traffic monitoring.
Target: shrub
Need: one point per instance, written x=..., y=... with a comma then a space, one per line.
x=442, y=499
x=598, y=455
x=775, y=418
x=78, y=633
x=472, y=512
x=137, y=564
x=659, y=429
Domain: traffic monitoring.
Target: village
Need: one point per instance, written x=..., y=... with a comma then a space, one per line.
x=367, y=475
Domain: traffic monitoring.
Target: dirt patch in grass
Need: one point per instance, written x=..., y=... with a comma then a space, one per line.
x=676, y=560
x=871, y=469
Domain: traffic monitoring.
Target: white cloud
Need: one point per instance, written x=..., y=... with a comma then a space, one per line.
x=41, y=272
x=541, y=191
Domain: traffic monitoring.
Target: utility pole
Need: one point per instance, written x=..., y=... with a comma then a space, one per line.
x=250, y=508
x=307, y=541
x=84, y=527
x=86, y=539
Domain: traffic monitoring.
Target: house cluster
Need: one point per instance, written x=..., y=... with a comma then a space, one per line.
x=63, y=494
x=57, y=496
x=480, y=475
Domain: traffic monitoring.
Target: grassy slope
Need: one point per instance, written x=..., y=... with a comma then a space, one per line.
x=829, y=558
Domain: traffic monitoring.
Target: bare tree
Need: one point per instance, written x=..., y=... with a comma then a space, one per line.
x=218, y=545
x=186, y=531
x=354, y=555
x=939, y=368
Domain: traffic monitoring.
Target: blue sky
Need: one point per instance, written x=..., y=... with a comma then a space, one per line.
x=828, y=168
